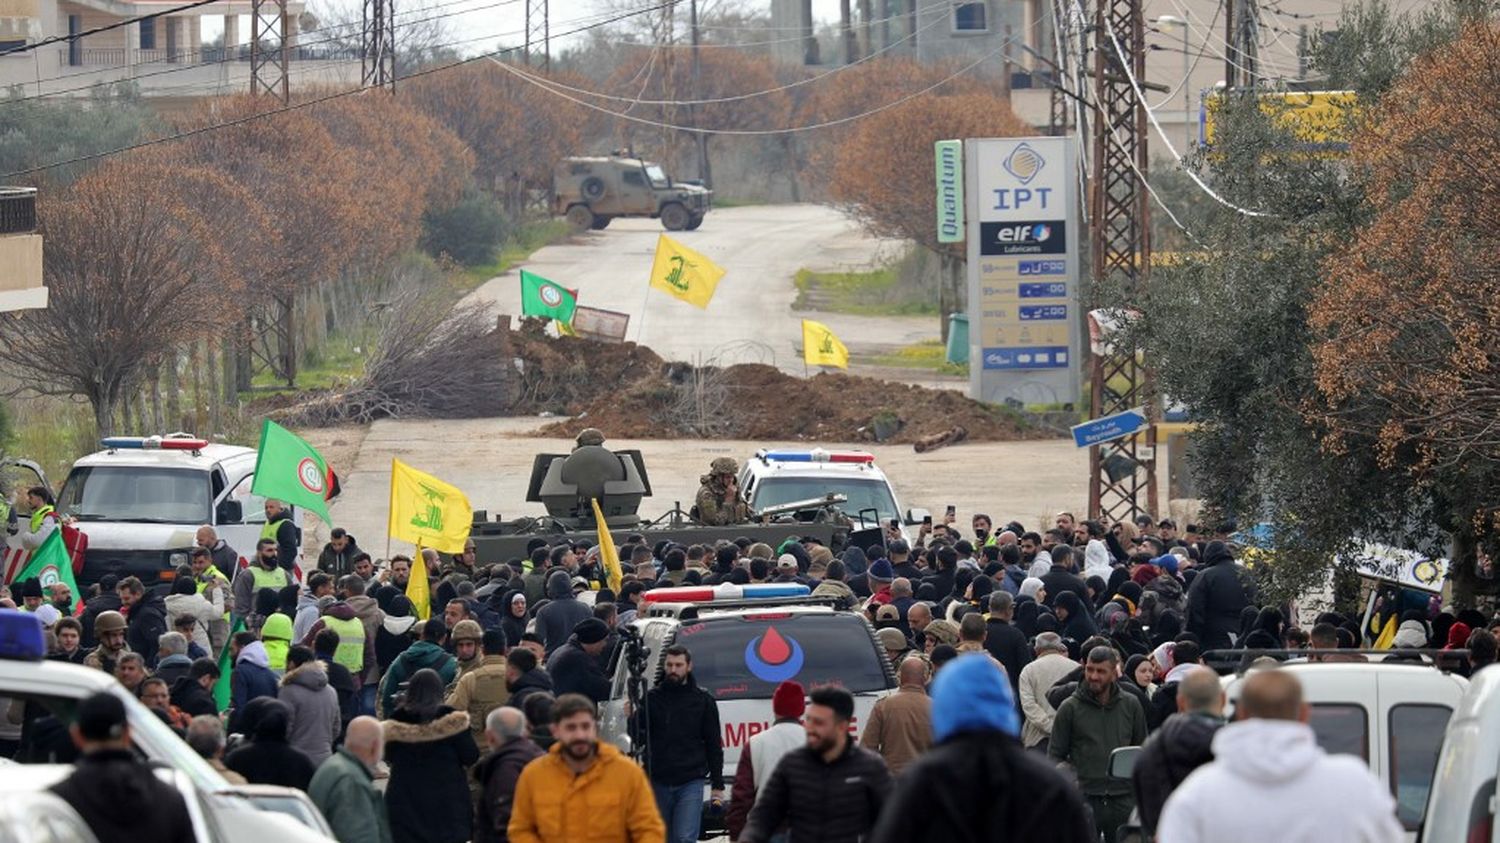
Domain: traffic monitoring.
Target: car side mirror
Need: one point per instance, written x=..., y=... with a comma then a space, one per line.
x=1122, y=761
x=231, y=511
x=917, y=516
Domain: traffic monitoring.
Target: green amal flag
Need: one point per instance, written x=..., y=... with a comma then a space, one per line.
x=226, y=667
x=547, y=299
x=51, y=564
x=290, y=470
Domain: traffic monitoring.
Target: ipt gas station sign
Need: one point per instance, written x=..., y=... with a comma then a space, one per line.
x=1022, y=206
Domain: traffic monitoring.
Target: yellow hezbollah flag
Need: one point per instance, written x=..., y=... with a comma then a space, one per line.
x=684, y=273
x=416, y=587
x=428, y=512
x=607, y=553
x=821, y=348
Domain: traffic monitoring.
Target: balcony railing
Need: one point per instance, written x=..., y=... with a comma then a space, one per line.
x=17, y=210
x=122, y=56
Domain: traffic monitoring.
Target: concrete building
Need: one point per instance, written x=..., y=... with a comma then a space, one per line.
x=20, y=251
x=164, y=56
x=1184, y=39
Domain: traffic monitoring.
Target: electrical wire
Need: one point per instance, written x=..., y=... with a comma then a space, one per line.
x=1218, y=10
x=184, y=67
x=229, y=124
x=1141, y=98
x=59, y=39
x=740, y=97
x=1208, y=44
x=752, y=132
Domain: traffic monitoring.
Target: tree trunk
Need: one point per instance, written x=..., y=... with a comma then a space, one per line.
x=944, y=305
x=172, y=386
x=245, y=356
x=212, y=370
x=104, y=414
x=288, y=315
x=155, y=387
x=195, y=364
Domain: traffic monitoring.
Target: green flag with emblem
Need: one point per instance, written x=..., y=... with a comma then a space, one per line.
x=547, y=299
x=289, y=469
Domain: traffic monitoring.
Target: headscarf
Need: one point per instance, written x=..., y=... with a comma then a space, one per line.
x=1100, y=588
x=1130, y=665
x=1440, y=625
x=855, y=560
x=1096, y=559
x=1458, y=636
x=1027, y=613
x=1030, y=586
x=1166, y=628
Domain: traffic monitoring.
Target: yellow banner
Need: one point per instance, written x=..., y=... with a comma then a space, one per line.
x=608, y=555
x=416, y=587
x=821, y=348
x=428, y=512
x=682, y=272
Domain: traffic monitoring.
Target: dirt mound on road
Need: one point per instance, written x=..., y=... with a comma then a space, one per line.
x=630, y=393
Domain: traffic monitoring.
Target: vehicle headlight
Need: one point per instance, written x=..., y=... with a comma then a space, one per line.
x=177, y=559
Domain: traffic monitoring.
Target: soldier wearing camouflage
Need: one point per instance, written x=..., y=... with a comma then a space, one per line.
x=719, y=502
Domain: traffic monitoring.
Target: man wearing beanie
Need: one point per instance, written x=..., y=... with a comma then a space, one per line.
x=110, y=785
x=575, y=665
x=978, y=779
x=760, y=755
x=880, y=575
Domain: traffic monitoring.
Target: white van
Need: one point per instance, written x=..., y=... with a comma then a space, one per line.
x=1391, y=714
x=1461, y=808
x=141, y=500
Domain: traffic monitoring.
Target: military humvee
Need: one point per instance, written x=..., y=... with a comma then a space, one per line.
x=592, y=191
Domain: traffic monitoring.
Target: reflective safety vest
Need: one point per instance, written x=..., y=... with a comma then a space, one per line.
x=351, y=649
x=41, y=515
x=272, y=527
x=212, y=574
x=276, y=651
x=275, y=578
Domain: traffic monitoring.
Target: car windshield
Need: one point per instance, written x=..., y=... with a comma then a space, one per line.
x=135, y=494
x=747, y=657
x=862, y=494
x=658, y=178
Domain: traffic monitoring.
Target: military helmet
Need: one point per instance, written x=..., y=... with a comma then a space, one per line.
x=467, y=630
x=109, y=622
x=590, y=436
x=724, y=465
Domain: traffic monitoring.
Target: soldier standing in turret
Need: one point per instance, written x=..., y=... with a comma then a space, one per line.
x=719, y=500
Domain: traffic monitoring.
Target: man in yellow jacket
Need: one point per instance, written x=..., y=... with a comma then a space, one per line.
x=583, y=790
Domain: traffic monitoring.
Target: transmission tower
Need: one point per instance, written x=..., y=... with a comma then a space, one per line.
x=538, y=32
x=268, y=50
x=1058, y=122
x=378, y=45
x=1122, y=474
x=1242, y=58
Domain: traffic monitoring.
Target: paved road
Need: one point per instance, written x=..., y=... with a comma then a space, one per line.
x=490, y=459
x=750, y=318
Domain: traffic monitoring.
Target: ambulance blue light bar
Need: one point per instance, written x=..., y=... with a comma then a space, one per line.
x=818, y=455
x=152, y=443
x=727, y=591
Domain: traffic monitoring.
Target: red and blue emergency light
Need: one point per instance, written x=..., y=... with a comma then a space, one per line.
x=818, y=455
x=152, y=443
x=727, y=591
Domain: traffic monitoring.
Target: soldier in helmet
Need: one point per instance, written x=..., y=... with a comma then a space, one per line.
x=719, y=501
x=109, y=631
x=589, y=436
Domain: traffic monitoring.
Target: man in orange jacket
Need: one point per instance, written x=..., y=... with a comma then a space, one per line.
x=583, y=789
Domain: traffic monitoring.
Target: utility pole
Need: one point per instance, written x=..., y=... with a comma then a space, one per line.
x=705, y=172
x=268, y=50
x=851, y=49
x=1122, y=473
x=538, y=31
x=378, y=45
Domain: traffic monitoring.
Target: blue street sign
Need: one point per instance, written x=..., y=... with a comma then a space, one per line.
x=1109, y=428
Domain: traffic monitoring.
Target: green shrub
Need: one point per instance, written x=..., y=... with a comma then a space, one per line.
x=470, y=232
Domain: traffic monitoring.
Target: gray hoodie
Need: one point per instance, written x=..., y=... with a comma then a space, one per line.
x=315, y=724
x=556, y=620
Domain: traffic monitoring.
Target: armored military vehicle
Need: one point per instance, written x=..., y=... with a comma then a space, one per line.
x=591, y=191
x=567, y=484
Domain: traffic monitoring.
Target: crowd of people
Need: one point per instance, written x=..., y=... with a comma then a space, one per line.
x=1023, y=659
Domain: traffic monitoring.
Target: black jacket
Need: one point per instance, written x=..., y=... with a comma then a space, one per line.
x=1182, y=745
x=684, y=739
x=428, y=792
x=268, y=758
x=574, y=671
x=1008, y=645
x=978, y=787
x=1060, y=579
x=531, y=682
x=146, y=623
x=497, y=774
x=1220, y=592
x=189, y=696
x=120, y=799
x=555, y=621
x=818, y=801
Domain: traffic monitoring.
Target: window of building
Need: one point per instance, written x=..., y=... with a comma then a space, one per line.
x=971, y=17
x=148, y=34
x=75, y=43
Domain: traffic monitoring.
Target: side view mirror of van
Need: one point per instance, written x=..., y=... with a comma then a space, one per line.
x=231, y=511
x=1122, y=761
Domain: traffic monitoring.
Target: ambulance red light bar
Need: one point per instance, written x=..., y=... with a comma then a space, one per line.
x=727, y=591
x=818, y=455
x=152, y=443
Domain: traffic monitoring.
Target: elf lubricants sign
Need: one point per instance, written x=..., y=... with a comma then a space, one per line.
x=949, y=155
x=1023, y=269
